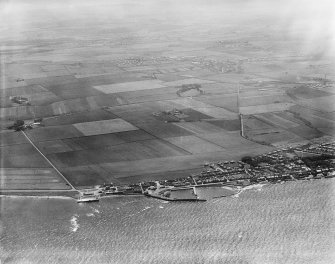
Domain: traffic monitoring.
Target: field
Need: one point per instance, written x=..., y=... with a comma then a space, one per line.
x=23, y=168
x=194, y=144
x=104, y=127
x=98, y=87
x=31, y=179
x=129, y=86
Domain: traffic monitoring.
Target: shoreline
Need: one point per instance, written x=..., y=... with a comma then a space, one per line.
x=240, y=191
x=16, y=196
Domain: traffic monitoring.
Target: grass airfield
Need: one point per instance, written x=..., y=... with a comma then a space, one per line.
x=97, y=88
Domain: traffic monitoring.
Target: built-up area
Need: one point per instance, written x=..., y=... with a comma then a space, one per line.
x=303, y=162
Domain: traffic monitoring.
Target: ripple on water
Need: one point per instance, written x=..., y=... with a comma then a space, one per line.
x=289, y=223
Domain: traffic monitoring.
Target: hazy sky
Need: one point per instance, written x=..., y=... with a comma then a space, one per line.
x=314, y=20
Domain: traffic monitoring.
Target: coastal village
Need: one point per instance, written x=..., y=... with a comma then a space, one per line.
x=303, y=162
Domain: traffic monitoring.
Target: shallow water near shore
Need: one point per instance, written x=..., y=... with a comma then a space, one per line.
x=292, y=222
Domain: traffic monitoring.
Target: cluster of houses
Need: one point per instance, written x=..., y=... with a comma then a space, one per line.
x=280, y=165
x=323, y=148
x=216, y=66
x=173, y=115
x=284, y=164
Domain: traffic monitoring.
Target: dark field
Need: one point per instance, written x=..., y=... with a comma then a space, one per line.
x=52, y=133
x=10, y=138
x=146, y=149
x=229, y=125
x=31, y=179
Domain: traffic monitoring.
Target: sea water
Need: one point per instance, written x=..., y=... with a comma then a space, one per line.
x=282, y=223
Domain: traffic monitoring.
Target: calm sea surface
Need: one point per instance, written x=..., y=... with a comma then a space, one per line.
x=284, y=223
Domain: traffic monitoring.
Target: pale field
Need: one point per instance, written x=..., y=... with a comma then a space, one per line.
x=104, y=127
x=129, y=86
x=190, y=103
x=152, y=95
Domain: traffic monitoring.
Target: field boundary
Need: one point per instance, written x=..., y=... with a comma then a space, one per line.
x=53, y=166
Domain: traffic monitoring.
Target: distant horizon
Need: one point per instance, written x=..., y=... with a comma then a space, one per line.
x=313, y=21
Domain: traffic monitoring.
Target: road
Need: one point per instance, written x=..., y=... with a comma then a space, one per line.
x=64, y=178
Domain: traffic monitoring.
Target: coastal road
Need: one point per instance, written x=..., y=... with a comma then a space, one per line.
x=53, y=166
x=35, y=190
